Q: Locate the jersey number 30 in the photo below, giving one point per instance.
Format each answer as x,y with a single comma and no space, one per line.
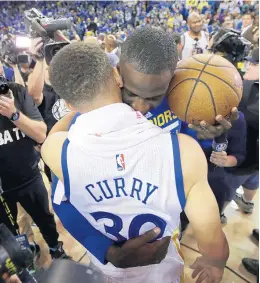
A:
134,227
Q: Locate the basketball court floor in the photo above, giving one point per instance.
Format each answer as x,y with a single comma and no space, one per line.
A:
238,231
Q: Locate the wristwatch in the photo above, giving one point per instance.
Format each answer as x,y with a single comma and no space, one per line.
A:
15,116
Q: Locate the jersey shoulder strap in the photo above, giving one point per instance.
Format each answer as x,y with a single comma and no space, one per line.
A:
178,170
65,171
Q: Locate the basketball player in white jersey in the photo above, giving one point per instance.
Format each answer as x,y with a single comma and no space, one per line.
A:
125,176
194,41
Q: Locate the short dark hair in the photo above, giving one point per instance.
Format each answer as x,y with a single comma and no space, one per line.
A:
150,50
79,72
249,14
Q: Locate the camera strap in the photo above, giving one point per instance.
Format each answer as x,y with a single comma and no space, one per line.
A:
9,214
20,238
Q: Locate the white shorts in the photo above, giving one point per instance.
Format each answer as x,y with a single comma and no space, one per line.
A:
107,279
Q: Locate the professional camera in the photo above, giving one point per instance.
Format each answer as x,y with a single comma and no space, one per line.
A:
4,90
229,42
68,271
13,48
37,25
15,256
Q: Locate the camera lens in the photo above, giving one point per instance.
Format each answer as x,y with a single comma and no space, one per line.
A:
4,88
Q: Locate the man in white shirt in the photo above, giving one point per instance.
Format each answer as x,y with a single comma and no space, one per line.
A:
194,41
111,47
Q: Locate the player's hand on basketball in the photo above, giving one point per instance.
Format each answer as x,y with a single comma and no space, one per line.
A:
206,131
139,251
206,272
219,158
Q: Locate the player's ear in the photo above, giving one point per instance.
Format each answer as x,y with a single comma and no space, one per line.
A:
117,77
71,108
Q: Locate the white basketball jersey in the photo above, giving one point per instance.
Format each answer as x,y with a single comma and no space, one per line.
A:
190,45
126,179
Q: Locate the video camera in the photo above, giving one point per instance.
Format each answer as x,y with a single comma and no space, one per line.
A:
4,90
15,257
232,44
13,48
37,25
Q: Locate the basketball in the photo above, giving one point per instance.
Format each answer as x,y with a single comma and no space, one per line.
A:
204,86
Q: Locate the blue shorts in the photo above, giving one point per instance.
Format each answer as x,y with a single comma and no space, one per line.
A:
249,181
225,184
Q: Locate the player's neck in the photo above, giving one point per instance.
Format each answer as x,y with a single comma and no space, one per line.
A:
195,35
102,101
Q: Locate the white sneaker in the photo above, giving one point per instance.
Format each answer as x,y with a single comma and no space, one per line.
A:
247,207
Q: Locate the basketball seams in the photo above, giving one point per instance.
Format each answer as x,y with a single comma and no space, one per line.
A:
194,69
194,87
211,96
193,79
231,67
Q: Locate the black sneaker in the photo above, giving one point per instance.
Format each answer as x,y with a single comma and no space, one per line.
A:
36,251
59,252
184,222
223,219
256,234
251,265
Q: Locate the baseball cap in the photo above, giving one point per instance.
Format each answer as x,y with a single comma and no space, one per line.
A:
254,58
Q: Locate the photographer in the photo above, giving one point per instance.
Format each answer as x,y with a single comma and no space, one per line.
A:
51,107
21,128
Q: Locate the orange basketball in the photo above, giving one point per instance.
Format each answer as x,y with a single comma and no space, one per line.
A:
203,87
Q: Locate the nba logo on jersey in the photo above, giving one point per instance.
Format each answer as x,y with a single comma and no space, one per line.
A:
120,162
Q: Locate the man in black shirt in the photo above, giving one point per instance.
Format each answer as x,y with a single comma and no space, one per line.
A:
248,171
21,128
51,107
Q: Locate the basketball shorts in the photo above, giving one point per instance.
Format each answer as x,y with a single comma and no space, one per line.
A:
107,279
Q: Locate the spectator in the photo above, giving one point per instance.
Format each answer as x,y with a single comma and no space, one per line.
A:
252,33
194,41
110,18
238,22
247,20
228,23
248,172
111,45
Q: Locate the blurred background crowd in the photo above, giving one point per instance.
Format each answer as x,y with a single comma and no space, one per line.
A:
123,16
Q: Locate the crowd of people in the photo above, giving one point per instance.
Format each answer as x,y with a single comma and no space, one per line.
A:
125,16
119,57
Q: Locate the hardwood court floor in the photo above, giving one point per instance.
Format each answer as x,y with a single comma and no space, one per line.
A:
238,231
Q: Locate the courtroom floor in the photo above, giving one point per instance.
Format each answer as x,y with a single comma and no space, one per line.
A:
238,231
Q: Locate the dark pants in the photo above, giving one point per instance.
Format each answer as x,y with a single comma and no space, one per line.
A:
218,185
34,199
47,171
